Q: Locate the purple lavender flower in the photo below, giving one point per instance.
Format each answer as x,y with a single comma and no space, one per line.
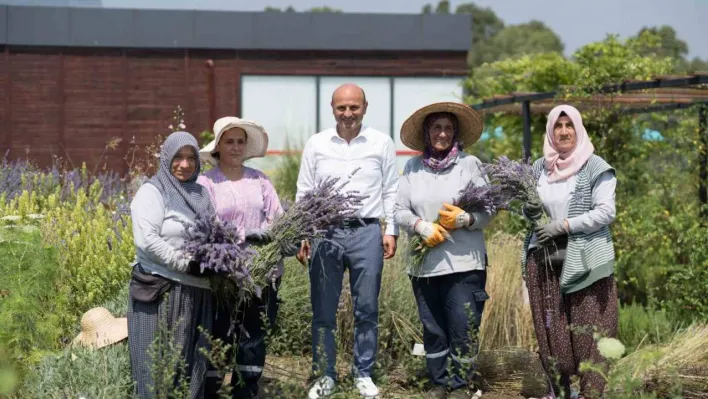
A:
516,180
327,205
216,245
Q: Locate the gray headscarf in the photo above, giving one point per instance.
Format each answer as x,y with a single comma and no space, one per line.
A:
189,193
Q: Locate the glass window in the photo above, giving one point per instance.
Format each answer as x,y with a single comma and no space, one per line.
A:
283,105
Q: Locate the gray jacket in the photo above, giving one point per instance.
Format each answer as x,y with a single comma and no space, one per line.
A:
421,194
158,231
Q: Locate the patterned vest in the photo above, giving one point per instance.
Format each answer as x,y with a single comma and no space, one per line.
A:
589,257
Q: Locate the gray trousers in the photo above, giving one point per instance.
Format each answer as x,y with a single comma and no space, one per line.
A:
360,249
173,320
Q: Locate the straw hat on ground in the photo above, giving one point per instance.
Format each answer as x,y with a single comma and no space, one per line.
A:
99,328
470,124
256,138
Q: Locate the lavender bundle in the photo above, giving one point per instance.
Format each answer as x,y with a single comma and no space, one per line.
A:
326,205
516,181
471,199
216,245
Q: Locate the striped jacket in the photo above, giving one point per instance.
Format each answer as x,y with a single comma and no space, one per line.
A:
589,257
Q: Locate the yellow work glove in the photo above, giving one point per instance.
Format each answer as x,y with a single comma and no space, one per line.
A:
454,217
432,233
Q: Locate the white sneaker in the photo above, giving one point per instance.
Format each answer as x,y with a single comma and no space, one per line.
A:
321,388
367,388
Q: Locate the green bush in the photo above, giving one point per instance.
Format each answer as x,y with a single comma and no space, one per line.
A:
688,281
31,304
639,325
95,250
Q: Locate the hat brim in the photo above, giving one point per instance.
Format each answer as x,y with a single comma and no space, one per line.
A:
470,124
256,140
109,334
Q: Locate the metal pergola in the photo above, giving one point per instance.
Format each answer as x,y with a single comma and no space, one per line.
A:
663,93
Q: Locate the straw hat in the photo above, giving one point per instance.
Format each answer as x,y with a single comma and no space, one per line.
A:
99,328
256,138
470,124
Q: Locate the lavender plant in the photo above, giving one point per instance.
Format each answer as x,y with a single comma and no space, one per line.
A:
326,205
471,199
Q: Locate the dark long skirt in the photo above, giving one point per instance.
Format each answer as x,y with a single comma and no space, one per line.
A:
173,320
565,324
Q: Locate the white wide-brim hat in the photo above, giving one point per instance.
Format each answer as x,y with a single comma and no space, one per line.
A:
99,328
469,124
256,138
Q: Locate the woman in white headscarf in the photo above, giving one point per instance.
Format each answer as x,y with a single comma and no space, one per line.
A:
569,260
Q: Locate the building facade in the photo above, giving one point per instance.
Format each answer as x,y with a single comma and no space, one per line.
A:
75,79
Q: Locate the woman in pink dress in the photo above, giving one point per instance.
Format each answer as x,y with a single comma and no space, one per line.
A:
247,197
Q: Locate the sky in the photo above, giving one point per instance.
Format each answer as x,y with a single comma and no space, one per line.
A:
576,22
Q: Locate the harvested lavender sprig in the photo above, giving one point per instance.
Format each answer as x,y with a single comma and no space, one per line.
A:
471,199
515,179
216,245
517,183
326,205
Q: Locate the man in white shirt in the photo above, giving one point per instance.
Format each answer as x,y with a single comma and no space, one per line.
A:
360,246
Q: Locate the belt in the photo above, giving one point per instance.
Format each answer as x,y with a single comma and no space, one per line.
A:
361,222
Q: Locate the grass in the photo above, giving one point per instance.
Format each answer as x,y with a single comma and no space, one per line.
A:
507,317
80,372
507,363
678,367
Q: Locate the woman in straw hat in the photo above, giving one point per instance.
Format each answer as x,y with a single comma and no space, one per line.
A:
169,297
569,260
449,285
247,197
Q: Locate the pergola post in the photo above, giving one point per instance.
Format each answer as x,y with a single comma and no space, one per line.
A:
526,112
703,159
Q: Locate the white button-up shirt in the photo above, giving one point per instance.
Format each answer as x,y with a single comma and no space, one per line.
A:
328,155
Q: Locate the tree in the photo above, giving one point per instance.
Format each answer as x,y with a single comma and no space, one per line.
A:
443,7
515,40
324,9
697,65
492,41
665,44
485,23
276,9
657,227
313,9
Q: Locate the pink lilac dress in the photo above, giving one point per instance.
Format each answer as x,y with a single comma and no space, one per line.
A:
251,203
